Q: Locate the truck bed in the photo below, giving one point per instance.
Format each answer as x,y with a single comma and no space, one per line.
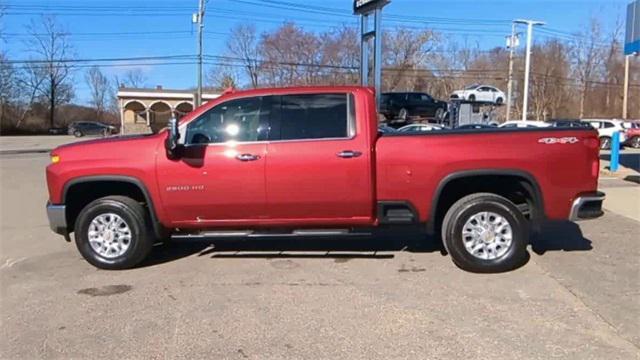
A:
559,162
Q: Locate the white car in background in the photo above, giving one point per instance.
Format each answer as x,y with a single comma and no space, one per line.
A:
480,93
419,128
606,128
524,124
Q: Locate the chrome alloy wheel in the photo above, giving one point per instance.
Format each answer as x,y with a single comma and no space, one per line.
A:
487,235
109,235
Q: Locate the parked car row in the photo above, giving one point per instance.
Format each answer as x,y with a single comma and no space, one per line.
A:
629,130
400,107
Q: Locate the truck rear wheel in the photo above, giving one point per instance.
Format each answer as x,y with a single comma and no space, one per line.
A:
485,233
113,233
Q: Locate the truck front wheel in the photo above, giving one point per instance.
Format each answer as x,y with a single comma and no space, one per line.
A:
485,233
113,233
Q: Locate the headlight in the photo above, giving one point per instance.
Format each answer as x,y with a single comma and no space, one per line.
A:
55,159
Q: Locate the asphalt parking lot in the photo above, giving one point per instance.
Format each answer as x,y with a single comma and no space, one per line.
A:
394,296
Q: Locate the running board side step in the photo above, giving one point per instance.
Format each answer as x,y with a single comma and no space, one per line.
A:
259,234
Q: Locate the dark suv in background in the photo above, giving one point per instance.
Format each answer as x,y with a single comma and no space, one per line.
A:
82,128
398,107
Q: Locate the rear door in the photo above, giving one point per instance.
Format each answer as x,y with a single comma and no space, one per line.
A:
485,94
422,104
319,165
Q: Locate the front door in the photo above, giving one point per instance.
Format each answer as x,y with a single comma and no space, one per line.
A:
219,177
319,167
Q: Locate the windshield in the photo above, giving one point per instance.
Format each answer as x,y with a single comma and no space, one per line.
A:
471,87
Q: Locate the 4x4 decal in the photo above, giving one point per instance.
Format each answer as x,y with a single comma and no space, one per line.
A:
562,140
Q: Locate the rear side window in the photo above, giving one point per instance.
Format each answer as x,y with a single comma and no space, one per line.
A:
607,125
315,116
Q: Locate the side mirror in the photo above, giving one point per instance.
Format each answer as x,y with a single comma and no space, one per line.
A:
173,135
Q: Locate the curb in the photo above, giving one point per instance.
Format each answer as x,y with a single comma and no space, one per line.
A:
26,151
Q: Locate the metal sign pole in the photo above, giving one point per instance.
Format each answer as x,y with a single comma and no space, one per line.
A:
377,56
364,50
366,8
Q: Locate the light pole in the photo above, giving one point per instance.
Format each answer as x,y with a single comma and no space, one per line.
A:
199,20
527,64
625,90
512,43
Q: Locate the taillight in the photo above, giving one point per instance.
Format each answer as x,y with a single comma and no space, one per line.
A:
592,143
595,168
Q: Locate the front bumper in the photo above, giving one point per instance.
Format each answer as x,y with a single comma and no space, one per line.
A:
57,218
587,206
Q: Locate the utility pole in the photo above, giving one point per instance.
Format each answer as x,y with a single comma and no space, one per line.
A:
625,97
512,43
527,64
199,20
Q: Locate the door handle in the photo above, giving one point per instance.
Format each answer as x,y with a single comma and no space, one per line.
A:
247,157
349,154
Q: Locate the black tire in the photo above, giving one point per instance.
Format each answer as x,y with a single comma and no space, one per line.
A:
135,216
462,210
472,97
499,101
78,133
635,142
605,143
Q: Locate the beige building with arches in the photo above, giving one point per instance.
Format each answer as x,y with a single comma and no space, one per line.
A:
149,110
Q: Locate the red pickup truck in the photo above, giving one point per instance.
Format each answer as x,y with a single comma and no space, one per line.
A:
310,162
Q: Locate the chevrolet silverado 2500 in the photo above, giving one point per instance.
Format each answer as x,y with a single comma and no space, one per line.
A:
310,162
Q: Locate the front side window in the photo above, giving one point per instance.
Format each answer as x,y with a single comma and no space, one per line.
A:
234,120
315,116
608,125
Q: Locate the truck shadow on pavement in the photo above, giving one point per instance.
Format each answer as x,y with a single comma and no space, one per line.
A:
559,236
344,248
554,236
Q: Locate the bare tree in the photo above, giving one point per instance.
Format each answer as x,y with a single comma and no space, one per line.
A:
53,63
243,47
8,85
222,77
135,78
404,52
550,69
291,57
587,55
340,52
99,86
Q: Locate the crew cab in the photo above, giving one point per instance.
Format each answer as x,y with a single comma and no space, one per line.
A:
310,161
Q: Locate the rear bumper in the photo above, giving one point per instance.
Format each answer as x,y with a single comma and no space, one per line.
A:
587,206
57,218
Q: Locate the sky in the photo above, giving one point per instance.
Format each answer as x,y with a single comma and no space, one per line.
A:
141,28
